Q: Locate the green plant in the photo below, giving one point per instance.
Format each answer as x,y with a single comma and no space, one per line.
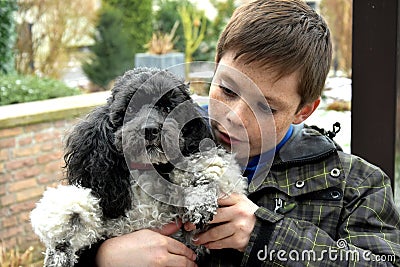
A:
7,35
224,12
164,18
18,89
206,50
194,27
111,54
136,22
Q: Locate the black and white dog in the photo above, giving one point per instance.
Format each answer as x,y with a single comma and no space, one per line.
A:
142,160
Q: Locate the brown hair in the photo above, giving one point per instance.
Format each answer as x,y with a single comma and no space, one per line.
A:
282,35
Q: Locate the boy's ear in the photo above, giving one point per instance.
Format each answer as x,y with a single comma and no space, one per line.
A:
306,111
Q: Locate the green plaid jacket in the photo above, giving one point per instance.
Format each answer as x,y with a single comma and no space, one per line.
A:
318,207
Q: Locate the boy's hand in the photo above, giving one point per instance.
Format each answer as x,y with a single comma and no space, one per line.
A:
233,222
146,248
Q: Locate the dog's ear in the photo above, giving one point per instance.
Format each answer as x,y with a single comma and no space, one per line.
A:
195,131
92,161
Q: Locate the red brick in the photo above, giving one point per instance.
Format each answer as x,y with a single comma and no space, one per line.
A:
44,136
26,140
4,212
58,134
10,132
10,221
36,127
25,206
26,151
19,163
10,232
7,200
7,142
4,154
51,180
53,167
48,158
5,177
3,190
51,146
23,217
26,173
30,193
23,184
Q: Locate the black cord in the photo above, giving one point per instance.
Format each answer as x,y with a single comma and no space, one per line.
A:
331,134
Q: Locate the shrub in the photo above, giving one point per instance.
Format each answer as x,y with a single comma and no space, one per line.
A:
18,89
111,55
7,35
136,22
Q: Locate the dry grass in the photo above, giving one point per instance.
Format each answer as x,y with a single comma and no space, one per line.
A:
162,43
16,258
339,105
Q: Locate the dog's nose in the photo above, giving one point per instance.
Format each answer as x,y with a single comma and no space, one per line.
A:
151,132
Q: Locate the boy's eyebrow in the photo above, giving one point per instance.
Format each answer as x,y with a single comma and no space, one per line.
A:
276,102
223,75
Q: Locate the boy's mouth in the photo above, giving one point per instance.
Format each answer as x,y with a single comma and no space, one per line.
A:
225,138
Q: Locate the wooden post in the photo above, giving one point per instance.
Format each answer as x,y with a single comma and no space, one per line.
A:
375,75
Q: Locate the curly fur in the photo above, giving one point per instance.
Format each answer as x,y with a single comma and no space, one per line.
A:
150,119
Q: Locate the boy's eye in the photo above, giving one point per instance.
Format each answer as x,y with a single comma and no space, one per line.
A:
265,108
227,91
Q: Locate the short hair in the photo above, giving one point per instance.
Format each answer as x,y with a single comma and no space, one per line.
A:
285,36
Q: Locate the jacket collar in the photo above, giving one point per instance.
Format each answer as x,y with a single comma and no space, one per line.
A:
305,144
305,147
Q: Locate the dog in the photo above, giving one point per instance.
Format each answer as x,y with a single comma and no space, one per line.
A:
144,159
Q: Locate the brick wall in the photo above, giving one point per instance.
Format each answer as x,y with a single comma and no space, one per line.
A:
31,159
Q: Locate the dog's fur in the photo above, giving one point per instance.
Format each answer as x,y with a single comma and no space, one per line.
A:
122,162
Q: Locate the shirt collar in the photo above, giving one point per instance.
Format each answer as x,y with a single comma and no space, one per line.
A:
266,157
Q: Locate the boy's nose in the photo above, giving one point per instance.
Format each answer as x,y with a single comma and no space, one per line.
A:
239,114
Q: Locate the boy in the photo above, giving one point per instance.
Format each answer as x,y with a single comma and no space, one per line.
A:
308,202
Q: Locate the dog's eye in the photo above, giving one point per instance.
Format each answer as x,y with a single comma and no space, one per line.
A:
168,109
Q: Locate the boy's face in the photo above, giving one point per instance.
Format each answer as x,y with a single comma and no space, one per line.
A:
250,111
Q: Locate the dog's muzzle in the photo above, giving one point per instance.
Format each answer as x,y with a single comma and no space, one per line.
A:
152,131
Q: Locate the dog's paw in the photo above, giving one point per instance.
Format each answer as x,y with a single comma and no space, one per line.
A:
59,258
200,203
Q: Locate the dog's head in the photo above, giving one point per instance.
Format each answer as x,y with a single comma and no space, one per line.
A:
149,119
156,120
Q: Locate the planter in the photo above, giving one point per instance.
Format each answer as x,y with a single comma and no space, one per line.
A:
171,61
